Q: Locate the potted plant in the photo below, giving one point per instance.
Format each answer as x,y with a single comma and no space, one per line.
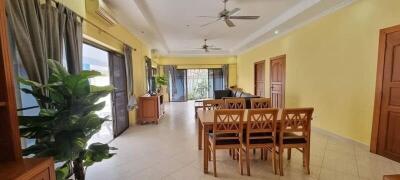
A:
161,81
67,120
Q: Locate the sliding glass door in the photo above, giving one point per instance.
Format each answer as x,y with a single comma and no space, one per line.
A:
194,84
197,84
179,91
215,81
98,60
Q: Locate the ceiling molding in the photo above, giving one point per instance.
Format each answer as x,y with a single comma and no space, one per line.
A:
198,55
331,10
144,9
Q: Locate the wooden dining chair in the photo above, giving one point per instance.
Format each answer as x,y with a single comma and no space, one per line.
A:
294,133
213,104
235,103
227,133
257,103
260,133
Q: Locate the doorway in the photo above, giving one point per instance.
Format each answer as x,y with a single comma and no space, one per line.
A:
194,84
96,59
178,87
259,78
386,125
277,79
197,83
111,65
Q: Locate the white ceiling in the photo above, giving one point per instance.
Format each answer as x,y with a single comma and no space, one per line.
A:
173,28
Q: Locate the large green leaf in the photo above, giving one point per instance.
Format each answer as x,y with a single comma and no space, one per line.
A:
96,153
34,120
89,74
64,171
29,83
56,68
101,89
77,86
69,144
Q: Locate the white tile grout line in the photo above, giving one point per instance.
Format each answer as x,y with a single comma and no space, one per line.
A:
323,159
358,171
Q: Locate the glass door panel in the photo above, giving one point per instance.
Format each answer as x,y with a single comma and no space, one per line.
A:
97,59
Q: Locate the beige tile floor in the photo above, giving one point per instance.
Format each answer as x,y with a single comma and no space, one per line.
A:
168,151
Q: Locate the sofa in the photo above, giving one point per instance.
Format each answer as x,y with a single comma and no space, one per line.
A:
234,93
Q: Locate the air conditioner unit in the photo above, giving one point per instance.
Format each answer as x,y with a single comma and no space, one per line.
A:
100,9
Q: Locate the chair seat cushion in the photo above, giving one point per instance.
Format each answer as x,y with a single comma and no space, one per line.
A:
258,141
291,138
294,141
224,141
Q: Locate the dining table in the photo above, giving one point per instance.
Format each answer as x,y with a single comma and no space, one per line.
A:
205,119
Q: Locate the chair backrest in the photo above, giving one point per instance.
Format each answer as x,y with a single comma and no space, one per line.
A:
296,120
228,121
235,103
260,122
257,103
213,104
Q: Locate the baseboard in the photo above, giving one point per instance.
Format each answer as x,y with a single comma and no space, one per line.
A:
337,136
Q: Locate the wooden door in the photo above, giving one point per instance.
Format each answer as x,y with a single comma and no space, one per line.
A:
119,95
259,78
387,107
277,79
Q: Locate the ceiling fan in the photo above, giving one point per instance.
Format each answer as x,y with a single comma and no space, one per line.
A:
207,47
227,15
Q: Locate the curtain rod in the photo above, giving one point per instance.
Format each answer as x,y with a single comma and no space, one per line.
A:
91,23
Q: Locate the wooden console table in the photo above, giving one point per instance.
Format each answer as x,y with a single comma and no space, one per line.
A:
151,109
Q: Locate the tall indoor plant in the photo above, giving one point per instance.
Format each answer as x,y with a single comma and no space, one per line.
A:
161,81
66,121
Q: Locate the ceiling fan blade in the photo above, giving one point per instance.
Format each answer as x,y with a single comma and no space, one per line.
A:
214,17
244,17
210,22
229,22
233,11
215,49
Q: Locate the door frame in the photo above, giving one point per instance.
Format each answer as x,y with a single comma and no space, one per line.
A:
255,75
283,76
379,86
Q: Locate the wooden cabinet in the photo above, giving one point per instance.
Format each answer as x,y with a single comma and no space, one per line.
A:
151,109
28,169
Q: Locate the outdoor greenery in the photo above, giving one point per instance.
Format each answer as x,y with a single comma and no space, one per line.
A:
197,84
67,120
200,90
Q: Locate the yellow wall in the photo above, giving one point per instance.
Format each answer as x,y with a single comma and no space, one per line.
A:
331,65
122,34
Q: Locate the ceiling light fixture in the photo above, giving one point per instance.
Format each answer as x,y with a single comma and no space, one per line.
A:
276,32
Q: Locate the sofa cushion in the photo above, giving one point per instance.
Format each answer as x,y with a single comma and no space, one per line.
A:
219,94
